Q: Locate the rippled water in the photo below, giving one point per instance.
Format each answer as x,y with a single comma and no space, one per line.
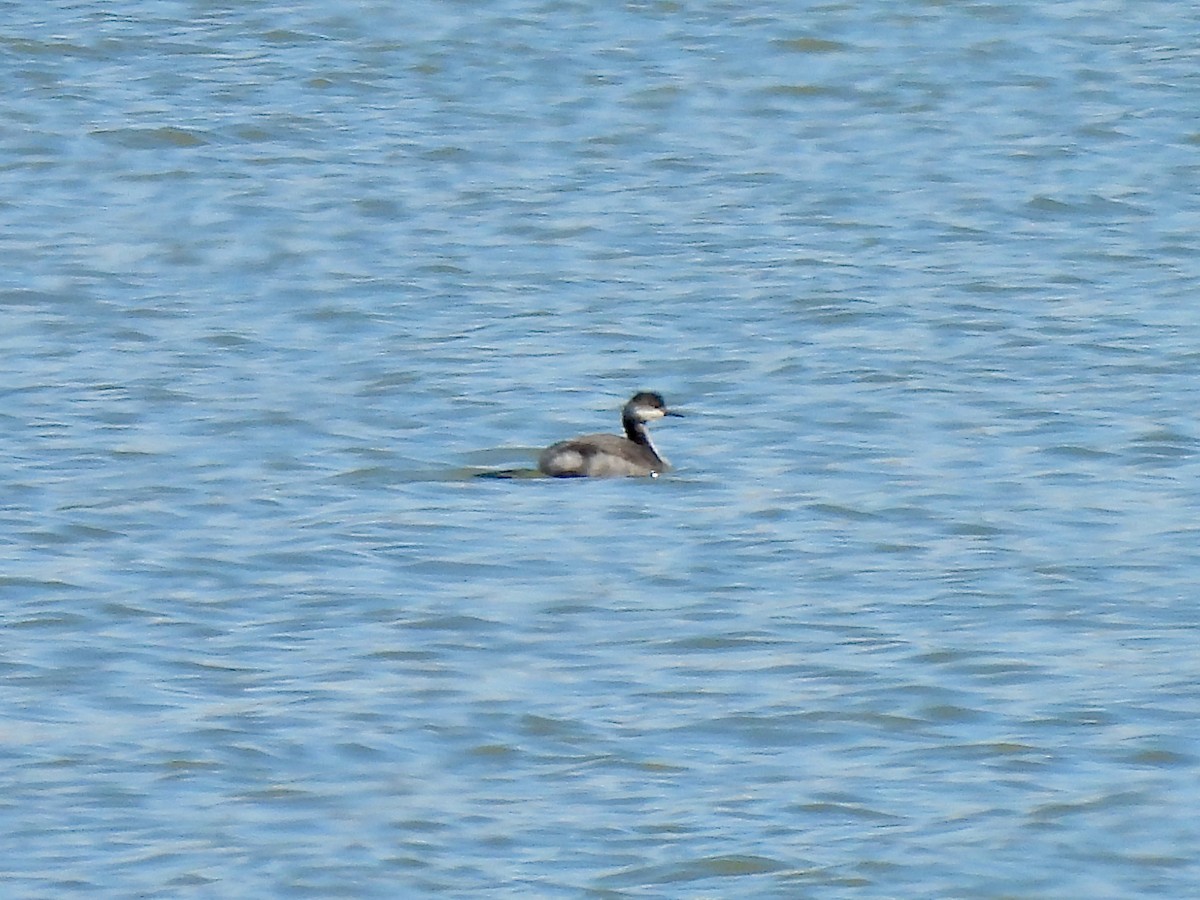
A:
913,617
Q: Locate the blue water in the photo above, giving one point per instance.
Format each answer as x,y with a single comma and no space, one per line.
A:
913,616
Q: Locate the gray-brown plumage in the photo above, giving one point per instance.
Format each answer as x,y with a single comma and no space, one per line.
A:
603,455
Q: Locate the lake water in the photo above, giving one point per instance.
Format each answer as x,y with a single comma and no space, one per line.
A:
915,615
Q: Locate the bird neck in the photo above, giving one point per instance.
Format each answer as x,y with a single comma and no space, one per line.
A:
637,432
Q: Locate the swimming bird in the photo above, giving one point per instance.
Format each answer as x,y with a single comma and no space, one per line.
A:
599,455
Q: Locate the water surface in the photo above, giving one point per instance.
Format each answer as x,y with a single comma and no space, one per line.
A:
913,616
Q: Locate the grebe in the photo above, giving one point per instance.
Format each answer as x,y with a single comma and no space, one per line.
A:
598,455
